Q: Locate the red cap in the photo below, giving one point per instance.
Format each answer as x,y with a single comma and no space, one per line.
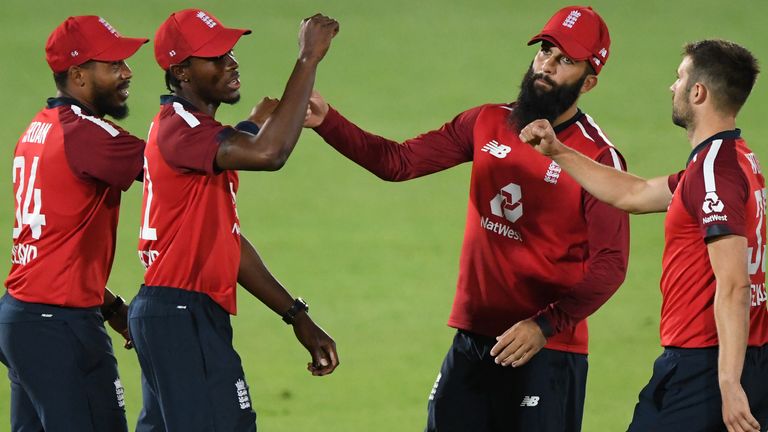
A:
580,33
193,32
82,38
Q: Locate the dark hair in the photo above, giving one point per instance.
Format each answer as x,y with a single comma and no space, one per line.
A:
171,82
728,70
60,78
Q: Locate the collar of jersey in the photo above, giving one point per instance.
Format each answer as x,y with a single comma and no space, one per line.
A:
730,134
564,125
170,98
66,101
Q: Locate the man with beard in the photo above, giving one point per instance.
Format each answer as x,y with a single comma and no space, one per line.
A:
190,239
714,321
69,168
539,254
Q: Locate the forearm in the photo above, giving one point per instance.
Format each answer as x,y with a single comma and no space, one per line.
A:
280,133
620,189
254,276
732,320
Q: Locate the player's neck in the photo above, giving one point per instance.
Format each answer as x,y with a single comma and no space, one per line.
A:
567,115
709,124
199,102
81,100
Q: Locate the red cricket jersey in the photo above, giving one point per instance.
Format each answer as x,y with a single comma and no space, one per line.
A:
721,192
190,233
535,242
68,169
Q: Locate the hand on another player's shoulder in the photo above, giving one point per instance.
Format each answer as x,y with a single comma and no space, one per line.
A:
315,37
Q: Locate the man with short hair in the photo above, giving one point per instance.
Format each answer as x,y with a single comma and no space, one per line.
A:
539,254
714,322
190,239
69,168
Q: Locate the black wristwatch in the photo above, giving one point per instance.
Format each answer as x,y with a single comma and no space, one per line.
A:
109,311
299,305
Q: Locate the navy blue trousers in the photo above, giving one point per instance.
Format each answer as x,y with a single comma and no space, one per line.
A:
474,394
62,369
192,378
684,395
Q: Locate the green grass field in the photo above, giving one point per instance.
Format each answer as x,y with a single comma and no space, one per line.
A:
378,261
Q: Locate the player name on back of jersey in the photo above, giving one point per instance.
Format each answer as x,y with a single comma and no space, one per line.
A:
23,253
37,132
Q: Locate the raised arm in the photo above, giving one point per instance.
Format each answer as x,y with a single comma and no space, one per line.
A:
254,276
727,255
269,149
620,189
389,160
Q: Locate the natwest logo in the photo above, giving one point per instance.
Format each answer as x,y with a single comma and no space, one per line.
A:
507,203
712,203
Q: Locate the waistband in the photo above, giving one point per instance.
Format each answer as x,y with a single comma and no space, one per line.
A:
44,310
174,294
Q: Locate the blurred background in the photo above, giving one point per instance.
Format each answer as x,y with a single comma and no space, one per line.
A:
376,261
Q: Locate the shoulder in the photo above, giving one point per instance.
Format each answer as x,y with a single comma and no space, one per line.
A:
75,120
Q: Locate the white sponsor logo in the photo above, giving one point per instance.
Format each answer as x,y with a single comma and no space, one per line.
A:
499,150
603,52
500,229
553,173
74,53
571,19
120,392
714,218
147,257
712,203
434,387
242,394
206,19
507,203
172,53
530,401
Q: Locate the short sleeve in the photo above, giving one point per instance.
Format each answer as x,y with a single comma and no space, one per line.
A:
189,140
673,180
715,193
98,150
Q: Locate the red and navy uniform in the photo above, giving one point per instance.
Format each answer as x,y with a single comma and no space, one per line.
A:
190,245
69,168
535,243
721,192
190,233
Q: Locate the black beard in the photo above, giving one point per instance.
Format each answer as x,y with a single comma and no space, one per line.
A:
104,105
533,104
232,101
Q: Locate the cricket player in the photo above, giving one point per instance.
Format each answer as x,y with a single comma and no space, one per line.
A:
191,242
69,168
539,255
713,372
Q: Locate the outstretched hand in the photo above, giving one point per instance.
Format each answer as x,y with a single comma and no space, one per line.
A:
317,110
320,346
519,344
541,136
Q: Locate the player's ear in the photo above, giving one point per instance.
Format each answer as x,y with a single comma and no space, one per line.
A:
589,83
76,76
179,71
699,93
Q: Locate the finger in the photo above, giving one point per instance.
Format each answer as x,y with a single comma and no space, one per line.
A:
502,343
523,360
749,423
515,355
508,351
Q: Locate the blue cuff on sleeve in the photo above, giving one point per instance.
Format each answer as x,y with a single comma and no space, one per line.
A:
248,126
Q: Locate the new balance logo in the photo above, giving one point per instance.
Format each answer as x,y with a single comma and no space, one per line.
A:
499,150
530,401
